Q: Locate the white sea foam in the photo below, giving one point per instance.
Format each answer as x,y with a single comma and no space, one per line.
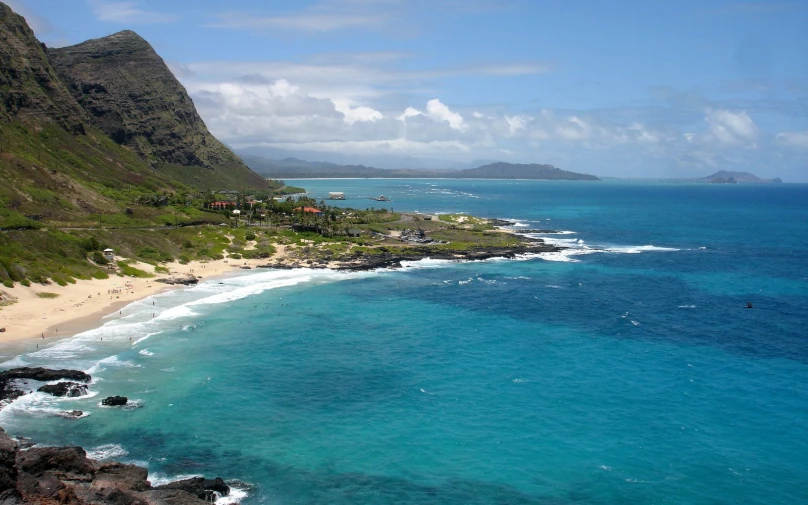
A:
687,306
426,263
107,451
237,494
467,281
159,479
111,361
639,249
146,352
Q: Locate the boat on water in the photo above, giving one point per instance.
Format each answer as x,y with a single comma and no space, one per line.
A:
382,198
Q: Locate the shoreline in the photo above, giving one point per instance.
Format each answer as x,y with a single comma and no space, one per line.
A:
75,308
84,305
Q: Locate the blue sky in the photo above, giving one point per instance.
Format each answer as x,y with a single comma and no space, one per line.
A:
631,88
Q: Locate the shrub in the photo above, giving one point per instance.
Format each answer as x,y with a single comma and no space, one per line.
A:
98,258
26,283
8,283
249,236
90,244
235,256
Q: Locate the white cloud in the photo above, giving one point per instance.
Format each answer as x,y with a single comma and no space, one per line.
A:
517,123
438,111
794,139
354,114
731,128
409,112
574,128
125,12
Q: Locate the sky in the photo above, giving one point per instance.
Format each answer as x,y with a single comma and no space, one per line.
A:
613,88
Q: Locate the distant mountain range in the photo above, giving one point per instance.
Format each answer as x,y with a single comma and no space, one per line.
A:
296,168
729,177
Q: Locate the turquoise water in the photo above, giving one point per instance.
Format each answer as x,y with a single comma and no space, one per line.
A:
624,370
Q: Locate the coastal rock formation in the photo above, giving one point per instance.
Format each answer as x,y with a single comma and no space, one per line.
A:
69,389
72,414
200,487
64,475
187,280
115,401
9,388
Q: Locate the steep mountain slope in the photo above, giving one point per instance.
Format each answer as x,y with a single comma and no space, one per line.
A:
130,94
30,90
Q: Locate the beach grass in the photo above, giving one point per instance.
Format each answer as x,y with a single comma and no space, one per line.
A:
46,294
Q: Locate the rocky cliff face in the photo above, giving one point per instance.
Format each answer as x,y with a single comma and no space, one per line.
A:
30,90
132,96
65,476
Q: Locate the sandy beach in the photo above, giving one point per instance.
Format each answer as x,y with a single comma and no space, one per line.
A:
81,306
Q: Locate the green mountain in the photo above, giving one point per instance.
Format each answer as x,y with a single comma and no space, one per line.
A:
93,127
99,141
30,89
130,94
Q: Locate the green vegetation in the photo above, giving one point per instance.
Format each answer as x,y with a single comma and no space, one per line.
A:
45,294
129,271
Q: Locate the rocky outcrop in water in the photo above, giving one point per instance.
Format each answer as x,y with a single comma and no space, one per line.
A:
68,389
9,380
115,401
65,476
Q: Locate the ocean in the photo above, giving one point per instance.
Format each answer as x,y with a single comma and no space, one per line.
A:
625,369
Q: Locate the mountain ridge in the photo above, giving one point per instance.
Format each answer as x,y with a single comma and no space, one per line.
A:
129,93
295,167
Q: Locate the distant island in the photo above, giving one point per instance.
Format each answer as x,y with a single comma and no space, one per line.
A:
728,177
297,168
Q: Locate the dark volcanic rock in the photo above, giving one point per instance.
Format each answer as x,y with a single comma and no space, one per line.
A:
69,389
67,463
9,390
200,487
8,470
65,476
72,414
114,401
44,374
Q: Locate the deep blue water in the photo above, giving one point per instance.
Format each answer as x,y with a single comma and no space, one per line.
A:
625,370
